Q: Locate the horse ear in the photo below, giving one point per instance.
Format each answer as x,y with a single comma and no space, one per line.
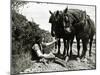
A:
84,11
50,12
65,11
57,13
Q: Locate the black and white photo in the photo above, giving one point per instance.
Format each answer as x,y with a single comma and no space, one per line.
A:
52,37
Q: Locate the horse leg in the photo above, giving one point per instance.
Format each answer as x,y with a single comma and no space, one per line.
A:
71,42
64,52
67,46
84,42
56,45
59,44
78,47
91,40
66,57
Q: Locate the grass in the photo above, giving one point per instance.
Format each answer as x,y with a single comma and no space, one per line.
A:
20,62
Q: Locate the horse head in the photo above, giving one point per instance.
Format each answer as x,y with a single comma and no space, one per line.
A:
84,21
55,20
67,21
83,17
52,20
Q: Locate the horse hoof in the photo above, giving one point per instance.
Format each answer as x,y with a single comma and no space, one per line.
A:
78,59
84,60
66,59
58,54
81,57
90,55
91,58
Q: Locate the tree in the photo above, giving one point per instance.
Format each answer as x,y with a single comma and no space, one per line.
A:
16,4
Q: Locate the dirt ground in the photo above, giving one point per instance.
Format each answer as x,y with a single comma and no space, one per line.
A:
73,64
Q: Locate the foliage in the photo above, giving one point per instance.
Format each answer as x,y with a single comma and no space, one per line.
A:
24,32
16,4
23,38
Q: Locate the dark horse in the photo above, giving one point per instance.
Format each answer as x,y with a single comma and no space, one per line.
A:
57,30
84,28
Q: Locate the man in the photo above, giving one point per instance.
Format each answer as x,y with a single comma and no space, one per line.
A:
37,48
38,54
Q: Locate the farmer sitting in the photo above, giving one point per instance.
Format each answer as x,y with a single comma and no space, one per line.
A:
37,49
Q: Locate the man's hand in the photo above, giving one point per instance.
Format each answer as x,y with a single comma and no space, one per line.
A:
50,43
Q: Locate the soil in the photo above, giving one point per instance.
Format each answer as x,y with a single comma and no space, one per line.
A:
71,64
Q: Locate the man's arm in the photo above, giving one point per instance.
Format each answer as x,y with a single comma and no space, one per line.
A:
37,50
50,43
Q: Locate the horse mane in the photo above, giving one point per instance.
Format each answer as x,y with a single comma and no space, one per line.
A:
75,14
91,23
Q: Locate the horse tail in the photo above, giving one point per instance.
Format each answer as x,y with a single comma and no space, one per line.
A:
92,33
91,25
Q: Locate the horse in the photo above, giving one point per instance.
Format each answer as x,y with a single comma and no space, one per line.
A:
84,28
53,22
57,27
92,32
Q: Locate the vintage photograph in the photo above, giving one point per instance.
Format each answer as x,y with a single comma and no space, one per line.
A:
52,37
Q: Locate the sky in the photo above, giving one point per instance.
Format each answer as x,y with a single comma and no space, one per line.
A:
39,12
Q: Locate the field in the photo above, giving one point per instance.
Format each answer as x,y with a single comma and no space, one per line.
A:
72,64
24,32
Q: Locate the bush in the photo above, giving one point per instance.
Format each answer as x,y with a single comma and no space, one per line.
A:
23,37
